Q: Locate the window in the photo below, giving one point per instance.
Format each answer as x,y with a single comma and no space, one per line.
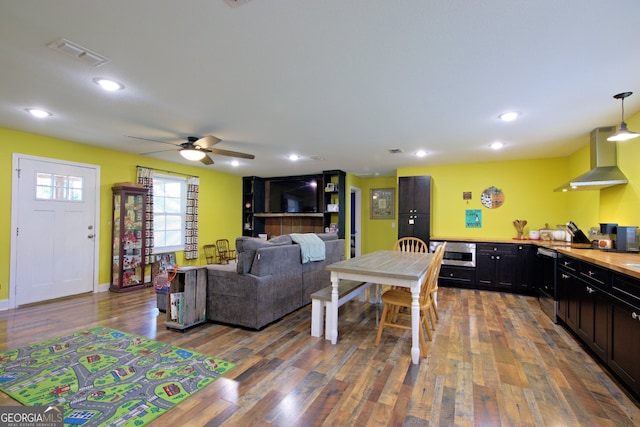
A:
169,194
58,187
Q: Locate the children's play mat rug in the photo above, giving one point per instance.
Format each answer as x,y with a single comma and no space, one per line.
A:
102,376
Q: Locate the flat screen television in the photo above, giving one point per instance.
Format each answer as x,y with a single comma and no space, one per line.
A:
292,195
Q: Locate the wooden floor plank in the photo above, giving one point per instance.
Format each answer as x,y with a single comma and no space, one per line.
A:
495,359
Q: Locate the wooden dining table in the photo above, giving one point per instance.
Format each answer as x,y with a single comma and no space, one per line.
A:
406,269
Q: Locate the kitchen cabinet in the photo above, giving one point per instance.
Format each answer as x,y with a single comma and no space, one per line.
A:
457,277
593,307
583,302
128,237
414,207
414,195
496,266
603,311
566,275
624,340
525,269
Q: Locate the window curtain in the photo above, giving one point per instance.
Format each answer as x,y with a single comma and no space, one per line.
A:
191,223
145,177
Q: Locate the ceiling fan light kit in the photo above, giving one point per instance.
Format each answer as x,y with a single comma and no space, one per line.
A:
192,154
623,133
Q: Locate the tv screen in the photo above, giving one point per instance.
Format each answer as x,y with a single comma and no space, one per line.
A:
292,195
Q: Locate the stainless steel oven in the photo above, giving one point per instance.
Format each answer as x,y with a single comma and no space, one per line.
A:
457,253
547,260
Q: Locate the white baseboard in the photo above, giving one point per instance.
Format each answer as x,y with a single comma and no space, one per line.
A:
4,304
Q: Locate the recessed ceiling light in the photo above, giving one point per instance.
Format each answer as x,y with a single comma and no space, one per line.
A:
107,84
497,145
293,157
421,153
235,163
37,112
509,116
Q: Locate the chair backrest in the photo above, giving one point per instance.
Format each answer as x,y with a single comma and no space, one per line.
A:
433,271
223,246
410,244
210,253
438,255
224,250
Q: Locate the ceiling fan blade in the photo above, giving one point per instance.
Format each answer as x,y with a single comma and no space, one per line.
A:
232,153
154,152
207,160
207,141
153,140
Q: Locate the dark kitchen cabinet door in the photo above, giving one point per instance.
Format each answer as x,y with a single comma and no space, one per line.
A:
525,269
496,266
414,195
564,284
625,344
414,225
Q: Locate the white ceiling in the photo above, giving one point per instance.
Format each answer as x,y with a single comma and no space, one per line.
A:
342,80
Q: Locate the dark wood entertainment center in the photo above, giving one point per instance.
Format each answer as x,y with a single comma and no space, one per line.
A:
329,213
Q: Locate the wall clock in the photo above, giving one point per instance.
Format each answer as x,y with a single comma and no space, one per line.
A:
492,198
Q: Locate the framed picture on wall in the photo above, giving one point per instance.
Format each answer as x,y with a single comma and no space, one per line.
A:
382,202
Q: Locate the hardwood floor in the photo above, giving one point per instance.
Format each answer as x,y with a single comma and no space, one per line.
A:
495,360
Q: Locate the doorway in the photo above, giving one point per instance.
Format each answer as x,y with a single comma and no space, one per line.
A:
54,225
356,222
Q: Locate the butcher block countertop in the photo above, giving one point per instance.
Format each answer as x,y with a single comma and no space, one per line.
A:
615,261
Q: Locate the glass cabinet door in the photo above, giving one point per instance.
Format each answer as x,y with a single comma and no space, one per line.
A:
129,218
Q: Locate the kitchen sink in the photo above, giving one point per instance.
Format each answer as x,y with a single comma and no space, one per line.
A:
632,265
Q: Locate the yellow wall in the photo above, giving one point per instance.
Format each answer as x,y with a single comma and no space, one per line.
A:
527,186
220,194
377,233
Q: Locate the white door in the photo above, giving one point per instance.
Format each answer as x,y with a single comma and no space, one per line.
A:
55,220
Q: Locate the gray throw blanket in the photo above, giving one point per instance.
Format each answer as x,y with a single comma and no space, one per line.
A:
311,247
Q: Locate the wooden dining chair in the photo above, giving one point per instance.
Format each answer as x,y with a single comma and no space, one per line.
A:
395,299
210,252
434,289
225,253
410,244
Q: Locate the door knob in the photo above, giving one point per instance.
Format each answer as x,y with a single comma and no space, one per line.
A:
91,236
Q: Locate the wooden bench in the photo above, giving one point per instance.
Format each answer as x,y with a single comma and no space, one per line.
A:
321,302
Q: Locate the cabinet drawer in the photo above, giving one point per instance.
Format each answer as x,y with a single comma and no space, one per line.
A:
627,289
598,276
457,274
497,249
568,264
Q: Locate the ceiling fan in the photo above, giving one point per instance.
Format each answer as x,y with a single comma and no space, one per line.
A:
198,148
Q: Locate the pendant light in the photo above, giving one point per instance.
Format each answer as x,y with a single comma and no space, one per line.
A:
623,133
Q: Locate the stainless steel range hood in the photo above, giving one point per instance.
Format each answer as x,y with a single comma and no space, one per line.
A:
604,164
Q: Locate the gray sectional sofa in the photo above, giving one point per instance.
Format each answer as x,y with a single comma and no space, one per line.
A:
268,282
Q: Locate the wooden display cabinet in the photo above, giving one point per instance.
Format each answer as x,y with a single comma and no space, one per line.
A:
129,236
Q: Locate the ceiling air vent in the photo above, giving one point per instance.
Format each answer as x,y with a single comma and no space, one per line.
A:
396,150
83,54
235,3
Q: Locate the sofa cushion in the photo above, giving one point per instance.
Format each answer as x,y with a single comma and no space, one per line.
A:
246,248
285,239
328,236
